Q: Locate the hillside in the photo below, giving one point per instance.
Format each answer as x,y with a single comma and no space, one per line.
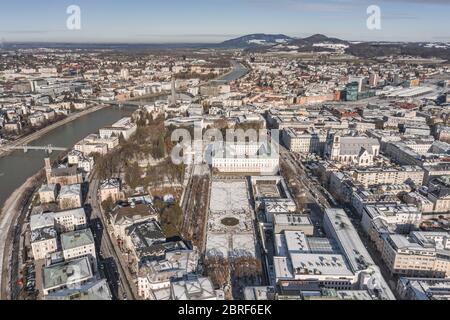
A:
256,40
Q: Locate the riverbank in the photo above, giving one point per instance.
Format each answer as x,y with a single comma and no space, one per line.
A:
36,135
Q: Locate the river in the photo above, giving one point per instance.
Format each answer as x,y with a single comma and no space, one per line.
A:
238,71
18,166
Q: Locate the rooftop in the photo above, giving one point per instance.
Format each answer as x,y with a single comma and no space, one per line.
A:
145,234
43,233
393,209
320,264
45,219
292,219
132,213
70,190
290,242
426,288
110,183
48,188
348,239
67,273
193,289
93,290
259,293
76,239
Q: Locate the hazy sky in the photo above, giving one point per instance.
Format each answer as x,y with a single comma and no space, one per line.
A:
217,20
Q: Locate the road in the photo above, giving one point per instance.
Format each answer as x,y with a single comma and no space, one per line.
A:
310,186
109,262
187,191
195,206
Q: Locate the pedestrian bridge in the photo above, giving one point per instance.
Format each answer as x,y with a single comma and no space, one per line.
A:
48,148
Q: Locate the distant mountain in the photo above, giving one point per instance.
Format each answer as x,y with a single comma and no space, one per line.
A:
314,43
317,39
256,40
322,43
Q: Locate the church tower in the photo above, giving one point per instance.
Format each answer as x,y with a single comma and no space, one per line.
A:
48,169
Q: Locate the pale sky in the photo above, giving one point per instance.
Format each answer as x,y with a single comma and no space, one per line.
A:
157,21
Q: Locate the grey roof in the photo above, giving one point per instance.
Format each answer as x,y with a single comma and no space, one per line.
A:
193,289
70,190
42,234
46,219
353,145
76,239
48,188
93,290
66,273
110,183
145,234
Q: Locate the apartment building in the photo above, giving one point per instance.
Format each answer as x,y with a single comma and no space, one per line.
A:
439,194
70,197
43,241
420,201
123,217
388,175
124,127
423,288
77,158
47,193
63,221
363,197
419,254
402,154
91,290
155,275
304,141
69,274
405,217
77,244
110,188
94,143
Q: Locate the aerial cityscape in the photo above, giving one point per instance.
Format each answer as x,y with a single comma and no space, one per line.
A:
223,161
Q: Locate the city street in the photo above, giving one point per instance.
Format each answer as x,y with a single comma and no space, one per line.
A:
109,261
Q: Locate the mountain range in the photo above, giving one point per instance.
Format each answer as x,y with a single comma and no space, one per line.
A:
261,42
256,39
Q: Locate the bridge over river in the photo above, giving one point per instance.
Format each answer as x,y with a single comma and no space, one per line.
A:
48,148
